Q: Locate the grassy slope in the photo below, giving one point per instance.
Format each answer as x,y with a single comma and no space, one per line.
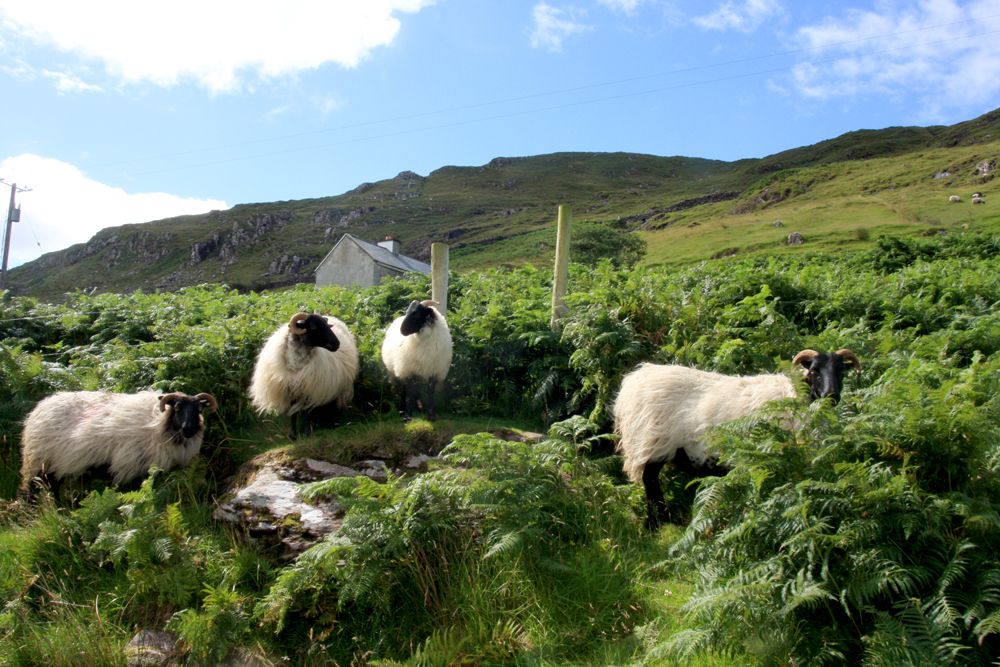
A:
837,206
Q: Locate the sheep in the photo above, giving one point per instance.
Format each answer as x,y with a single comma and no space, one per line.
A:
954,199
305,366
662,414
417,348
978,199
72,432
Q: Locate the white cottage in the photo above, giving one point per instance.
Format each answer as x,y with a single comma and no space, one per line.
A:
358,263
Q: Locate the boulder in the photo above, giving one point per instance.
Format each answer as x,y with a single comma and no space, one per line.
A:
153,648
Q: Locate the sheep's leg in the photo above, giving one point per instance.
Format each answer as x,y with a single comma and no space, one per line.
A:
54,484
307,423
294,420
31,486
656,504
401,392
431,386
411,391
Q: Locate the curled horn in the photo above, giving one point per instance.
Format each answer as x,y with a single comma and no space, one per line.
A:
430,303
804,356
213,405
294,325
850,358
169,399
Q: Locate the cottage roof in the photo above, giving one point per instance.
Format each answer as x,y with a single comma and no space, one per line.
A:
383,256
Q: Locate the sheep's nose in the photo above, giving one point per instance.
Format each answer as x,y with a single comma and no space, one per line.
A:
189,431
832,394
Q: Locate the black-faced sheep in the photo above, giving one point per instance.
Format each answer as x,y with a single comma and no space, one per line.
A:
73,432
417,350
662,413
306,366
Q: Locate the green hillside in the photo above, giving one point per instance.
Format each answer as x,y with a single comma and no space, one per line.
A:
836,193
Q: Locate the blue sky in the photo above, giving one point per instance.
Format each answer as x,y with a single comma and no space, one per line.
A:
117,112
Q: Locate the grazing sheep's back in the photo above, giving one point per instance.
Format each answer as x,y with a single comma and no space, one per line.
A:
425,354
290,378
70,432
660,409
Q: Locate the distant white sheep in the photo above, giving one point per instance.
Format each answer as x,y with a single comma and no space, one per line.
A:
417,349
71,433
978,199
308,364
663,413
954,199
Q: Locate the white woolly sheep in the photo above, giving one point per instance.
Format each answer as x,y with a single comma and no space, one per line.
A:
662,414
74,432
305,367
978,199
416,349
954,199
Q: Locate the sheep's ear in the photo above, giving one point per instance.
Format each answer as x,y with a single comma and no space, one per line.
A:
297,323
208,402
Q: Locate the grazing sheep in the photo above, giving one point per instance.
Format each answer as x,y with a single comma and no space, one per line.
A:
978,199
304,367
954,199
662,414
73,432
417,348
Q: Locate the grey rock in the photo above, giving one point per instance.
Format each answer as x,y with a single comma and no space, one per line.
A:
152,648
271,509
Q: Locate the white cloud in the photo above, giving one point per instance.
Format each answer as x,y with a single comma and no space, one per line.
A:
65,207
928,47
625,6
219,44
328,104
745,16
67,82
551,25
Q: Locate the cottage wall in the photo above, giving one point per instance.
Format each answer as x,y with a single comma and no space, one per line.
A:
384,272
347,265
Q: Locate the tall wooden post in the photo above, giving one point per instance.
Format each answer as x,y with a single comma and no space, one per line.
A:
561,276
439,274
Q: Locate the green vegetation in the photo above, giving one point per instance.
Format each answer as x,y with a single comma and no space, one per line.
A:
862,533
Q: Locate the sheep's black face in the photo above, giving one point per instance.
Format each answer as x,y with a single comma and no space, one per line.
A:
417,316
825,375
318,333
185,416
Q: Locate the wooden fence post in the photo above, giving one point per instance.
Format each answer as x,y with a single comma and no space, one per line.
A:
561,276
439,274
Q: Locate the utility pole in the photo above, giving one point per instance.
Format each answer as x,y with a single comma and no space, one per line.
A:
13,215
